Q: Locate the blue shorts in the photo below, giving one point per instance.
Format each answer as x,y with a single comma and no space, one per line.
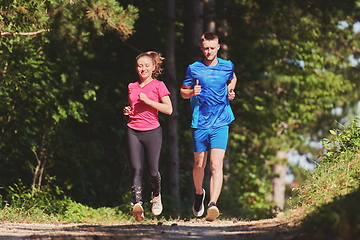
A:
205,139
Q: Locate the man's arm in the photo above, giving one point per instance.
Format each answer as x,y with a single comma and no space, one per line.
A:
188,92
232,83
231,88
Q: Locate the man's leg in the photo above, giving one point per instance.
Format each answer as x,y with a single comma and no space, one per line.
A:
216,167
216,181
198,171
198,177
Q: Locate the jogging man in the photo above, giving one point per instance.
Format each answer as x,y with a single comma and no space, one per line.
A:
209,84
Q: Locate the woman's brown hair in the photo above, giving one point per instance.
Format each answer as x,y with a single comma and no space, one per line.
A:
157,60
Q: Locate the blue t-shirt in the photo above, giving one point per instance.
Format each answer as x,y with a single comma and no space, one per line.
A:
211,108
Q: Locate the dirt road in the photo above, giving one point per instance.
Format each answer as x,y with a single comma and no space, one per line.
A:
266,229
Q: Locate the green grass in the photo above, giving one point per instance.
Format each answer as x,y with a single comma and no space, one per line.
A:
50,205
71,212
331,195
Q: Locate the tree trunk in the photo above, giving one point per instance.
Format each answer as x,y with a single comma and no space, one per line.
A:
170,79
38,170
278,182
209,16
193,28
221,27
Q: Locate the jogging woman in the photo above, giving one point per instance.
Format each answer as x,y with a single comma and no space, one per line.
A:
147,97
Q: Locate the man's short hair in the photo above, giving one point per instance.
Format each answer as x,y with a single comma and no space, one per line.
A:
209,36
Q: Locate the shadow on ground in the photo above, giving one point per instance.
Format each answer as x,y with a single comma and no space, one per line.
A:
266,229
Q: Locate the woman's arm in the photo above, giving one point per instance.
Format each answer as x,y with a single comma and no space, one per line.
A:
165,106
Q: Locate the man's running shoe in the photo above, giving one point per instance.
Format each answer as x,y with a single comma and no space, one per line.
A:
212,212
156,207
138,212
198,205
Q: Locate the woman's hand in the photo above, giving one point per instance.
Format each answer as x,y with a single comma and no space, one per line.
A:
127,110
143,97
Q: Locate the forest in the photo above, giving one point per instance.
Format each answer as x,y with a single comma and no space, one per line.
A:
65,66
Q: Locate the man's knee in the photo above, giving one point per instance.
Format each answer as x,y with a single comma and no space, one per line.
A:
199,167
216,166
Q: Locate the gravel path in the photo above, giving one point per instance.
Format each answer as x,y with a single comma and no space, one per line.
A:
265,229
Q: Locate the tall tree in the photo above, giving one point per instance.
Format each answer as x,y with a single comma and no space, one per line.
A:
193,27
42,87
173,156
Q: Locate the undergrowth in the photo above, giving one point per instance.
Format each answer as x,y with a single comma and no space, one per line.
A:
331,195
49,204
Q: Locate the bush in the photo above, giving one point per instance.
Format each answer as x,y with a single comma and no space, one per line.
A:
49,204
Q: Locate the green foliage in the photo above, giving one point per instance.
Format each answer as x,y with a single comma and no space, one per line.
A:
331,194
248,201
344,144
339,171
49,204
34,201
51,76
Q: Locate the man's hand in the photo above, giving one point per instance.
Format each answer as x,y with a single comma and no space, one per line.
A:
231,94
197,88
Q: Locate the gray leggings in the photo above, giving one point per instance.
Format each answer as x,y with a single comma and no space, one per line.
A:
138,144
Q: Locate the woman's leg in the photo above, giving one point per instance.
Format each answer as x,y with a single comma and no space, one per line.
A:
152,142
135,155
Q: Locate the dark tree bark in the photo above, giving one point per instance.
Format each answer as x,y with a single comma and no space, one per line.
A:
209,16
172,133
194,28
